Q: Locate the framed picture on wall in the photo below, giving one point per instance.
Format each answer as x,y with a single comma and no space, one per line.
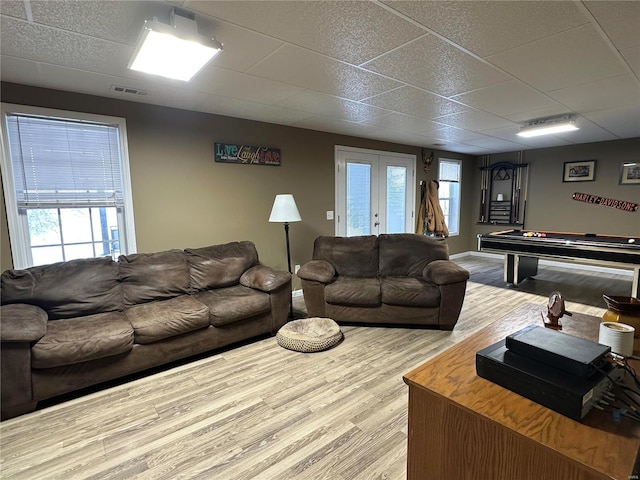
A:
630,173
579,171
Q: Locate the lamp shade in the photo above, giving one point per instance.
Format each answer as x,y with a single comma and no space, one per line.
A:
284,209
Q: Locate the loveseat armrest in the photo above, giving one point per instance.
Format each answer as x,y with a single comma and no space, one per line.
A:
20,322
445,272
317,271
266,279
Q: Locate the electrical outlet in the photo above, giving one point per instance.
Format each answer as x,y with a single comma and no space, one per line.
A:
295,270
329,214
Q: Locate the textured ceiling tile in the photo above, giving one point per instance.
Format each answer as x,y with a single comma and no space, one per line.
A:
434,65
589,132
495,144
456,134
490,27
569,58
13,8
304,69
623,122
405,123
18,70
49,45
632,56
228,83
608,93
325,124
110,20
415,102
507,98
353,32
474,120
329,106
621,21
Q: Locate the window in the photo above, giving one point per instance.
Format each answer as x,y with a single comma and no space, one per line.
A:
450,174
67,186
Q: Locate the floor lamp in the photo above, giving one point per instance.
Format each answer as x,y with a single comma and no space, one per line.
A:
284,211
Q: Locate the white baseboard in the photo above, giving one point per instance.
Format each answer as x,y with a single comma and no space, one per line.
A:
551,263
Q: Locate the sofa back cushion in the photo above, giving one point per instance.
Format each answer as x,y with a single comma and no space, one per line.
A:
351,256
153,276
66,289
220,265
406,254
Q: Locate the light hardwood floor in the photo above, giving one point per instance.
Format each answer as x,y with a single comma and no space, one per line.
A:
262,412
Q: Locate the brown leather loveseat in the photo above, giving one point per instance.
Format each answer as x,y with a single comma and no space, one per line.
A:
400,279
72,324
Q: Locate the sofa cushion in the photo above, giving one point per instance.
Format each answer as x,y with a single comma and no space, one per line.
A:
155,321
153,276
220,265
232,304
353,291
410,292
80,339
351,256
407,254
66,289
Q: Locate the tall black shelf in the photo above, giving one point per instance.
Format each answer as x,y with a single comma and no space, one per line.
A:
503,193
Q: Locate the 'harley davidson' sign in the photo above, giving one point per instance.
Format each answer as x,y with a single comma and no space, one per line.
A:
228,153
606,202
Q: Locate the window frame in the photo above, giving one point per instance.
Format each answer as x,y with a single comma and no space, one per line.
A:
19,237
459,199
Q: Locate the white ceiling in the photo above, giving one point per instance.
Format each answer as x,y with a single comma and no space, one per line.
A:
455,75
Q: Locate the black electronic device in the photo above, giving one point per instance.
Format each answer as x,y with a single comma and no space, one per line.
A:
565,393
569,353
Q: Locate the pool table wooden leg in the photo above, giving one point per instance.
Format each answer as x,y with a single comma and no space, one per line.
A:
518,268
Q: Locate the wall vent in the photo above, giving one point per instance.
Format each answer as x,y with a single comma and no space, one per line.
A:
128,90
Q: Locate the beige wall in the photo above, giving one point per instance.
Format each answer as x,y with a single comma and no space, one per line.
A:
182,198
550,205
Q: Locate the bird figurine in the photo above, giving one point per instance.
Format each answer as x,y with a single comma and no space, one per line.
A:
555,311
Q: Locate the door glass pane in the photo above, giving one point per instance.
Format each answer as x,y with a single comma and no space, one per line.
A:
358,203
396,198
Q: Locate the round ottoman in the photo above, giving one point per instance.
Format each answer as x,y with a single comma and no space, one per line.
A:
309,335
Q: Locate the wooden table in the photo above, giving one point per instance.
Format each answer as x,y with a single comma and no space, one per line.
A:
462,426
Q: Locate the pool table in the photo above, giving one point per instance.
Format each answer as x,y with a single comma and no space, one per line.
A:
523,248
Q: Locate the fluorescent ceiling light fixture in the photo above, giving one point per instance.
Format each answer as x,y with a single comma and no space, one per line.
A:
174,51
548,126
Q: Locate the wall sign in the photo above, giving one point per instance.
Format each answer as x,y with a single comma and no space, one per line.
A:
606,202
229,153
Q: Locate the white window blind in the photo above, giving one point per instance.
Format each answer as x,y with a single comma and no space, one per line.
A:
64,163
449,171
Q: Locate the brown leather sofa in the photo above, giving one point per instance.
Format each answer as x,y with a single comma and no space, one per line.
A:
391,279
72,324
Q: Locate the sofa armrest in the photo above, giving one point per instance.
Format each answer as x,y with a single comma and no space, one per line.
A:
20,322
264,278
445,272
317,271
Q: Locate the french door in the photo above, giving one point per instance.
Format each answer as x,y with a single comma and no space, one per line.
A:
375,192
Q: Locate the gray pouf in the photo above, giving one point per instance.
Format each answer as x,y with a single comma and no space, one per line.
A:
309,335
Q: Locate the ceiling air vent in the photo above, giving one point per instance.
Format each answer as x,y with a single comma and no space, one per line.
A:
128,90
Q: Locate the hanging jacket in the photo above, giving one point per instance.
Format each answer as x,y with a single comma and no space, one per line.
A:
434,217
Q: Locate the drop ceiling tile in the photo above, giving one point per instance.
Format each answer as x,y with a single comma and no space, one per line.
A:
302,68
13,8
474,120
570,58
405,123
622,122
44,44
415,102
17,70
463,148
329,106
508,98
495,144
353,32
589,132
489,27
119,22
229,83
611,92
509,134
619,20
436,66
632,56
456,134
277,115
537,113
334,125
